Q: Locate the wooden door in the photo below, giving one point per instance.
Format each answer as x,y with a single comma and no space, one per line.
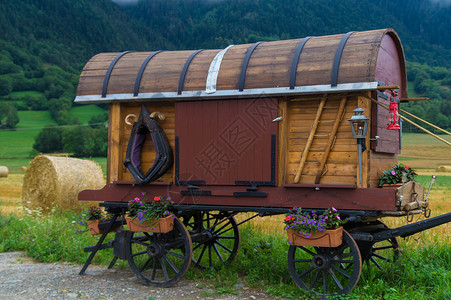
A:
226,142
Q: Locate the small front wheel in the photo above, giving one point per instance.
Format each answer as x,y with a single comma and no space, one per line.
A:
326,272
160,259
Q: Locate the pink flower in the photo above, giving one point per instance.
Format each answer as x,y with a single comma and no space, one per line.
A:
333,209
393,172
136,199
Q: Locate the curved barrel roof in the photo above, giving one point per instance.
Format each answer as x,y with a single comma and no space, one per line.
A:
333,63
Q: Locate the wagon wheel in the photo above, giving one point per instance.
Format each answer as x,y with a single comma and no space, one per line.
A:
383,251
380,252
215,236
326,271
160,259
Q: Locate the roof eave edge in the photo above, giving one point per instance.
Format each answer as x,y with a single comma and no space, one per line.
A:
227,94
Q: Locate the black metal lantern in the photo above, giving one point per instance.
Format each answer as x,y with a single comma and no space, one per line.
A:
359,126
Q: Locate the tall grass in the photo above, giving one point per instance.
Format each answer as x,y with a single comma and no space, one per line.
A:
421,272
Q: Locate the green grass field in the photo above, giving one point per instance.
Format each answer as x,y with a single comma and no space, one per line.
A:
24,94
16,145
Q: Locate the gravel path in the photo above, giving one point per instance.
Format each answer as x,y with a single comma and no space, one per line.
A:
21,278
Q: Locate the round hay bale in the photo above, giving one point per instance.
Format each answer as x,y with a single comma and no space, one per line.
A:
23,168
443,169
56,181
3,171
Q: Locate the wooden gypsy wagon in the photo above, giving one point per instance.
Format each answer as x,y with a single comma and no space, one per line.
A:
261,128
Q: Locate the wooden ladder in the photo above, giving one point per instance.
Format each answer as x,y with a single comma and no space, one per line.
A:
312,134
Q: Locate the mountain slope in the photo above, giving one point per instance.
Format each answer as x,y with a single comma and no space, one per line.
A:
192,24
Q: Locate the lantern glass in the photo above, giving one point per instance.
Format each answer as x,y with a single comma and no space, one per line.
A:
359,124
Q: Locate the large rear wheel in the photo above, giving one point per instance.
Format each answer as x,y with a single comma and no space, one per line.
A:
160,259
326,272
215,236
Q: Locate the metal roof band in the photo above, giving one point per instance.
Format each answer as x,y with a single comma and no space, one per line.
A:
296,58
185,69
337,58
108,73
231,94
213,71
244,65
141,71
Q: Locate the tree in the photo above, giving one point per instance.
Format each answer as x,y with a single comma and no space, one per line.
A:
49,140
8,116
85,141
5,86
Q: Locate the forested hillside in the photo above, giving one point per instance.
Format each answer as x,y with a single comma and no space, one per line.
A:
189,24
45,43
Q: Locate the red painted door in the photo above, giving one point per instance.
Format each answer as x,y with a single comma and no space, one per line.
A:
222,142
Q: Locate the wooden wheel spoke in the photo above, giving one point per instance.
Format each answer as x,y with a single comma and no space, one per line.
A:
145,264
306,272
139,253
324,283
341,272
201,254
176,255
210,261
380,256
171,264
226,237
154,270
343,261
337,282
315,279
219,254
384,247
307,250
223,246
376,263
139,242
163,268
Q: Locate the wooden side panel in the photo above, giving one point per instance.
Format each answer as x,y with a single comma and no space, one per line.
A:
378,163
148,153
114,142
341,165
390,71
226,141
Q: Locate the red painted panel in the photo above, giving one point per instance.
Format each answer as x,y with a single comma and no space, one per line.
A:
277,197
389,70
225,141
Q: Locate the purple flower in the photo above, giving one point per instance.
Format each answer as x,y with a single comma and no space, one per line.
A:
393,172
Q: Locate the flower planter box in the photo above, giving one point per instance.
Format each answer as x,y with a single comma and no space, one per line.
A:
161,225
93,227
328,238
391,185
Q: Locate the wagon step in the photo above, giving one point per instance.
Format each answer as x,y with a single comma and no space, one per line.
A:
411,229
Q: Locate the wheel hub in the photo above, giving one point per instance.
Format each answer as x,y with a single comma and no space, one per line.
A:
155,249
320,262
